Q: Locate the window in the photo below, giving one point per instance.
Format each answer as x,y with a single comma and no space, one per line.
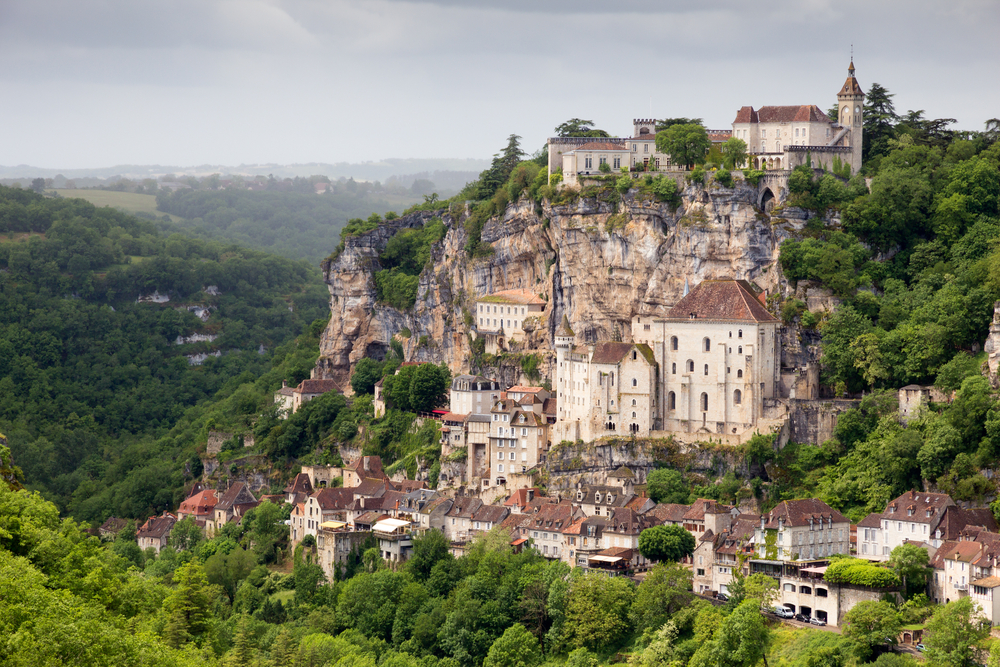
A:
634,355
633,401
673,368
739,373
633,415
739,350
706,369
645,148
671,401
500,456
587,162
612,381
740,334
690,366
708,345
500,467
737,397
512,456
635,383
763,134
704,402
618,162
603,160
673,342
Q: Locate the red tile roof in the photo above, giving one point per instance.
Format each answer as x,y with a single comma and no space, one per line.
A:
201,504
317,386
601,146
799,512
732,300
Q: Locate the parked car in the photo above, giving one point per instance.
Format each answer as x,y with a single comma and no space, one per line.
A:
783,612
722,597
919,647
817,621
802,617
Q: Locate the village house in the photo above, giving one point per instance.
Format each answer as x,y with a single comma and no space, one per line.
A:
717,556
289,400
300,489
600,500
334,542
328,504
477,441
518,439
155,532
109,529
472,394
199,506
233,504
930,517
804,529
502,318
365,467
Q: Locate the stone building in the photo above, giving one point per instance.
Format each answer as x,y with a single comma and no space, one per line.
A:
233,504
502,318
583,156
155,533
913,398
719,359
928,517
518,440
473,395
604,389
784,137
799,530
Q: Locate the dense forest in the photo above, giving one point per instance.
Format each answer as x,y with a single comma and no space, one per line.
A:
96,394
288,218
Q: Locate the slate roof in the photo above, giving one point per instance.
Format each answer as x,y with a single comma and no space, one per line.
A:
564,328
727,300
746,115
237,495
464,507
549,406
937,560
873,520
625,521
956,519
334,498
704,506
610,496
374,467
156,527
300,484
410,485
612,353
851,85
112,525
738,535
371,487
799,512
672,512
927,507
490,513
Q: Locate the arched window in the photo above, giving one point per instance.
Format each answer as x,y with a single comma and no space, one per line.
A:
704,402
673,368
740,334
633,401
708,345
737,397
730,334
706,369
633,415
671,401
633,355
612,379
635,383
739,373
673,342
690,366
739,350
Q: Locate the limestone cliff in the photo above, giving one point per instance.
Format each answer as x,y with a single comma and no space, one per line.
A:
600,261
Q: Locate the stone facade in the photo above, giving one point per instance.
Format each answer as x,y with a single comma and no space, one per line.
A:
501,317
473,395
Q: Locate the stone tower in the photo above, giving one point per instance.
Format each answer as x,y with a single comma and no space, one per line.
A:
563,341
851,102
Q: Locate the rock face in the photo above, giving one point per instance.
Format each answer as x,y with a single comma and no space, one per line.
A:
599,261
992,347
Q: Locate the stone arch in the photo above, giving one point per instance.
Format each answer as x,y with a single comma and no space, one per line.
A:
767,200
777,163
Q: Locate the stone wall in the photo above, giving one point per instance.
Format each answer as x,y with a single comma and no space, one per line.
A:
215,441
812,420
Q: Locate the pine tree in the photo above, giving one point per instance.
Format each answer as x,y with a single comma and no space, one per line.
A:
187,606
242,652
283,650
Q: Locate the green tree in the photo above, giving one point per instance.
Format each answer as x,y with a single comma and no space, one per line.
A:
577,127
366,373
685,144
735,152
428,387
910,563
515,648
879,122
185,535
869,624
666,543
740,641
187,607
955,633
665,589
597,613
428,550
267,530
665,485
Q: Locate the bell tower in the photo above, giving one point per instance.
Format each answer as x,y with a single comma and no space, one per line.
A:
851,105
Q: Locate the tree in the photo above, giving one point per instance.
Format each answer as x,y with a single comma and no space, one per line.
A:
267,530
428,550
870,623
241,655
670,122
879,122
185,535
662,543
735,152
666,588
740,641
597,613
665,485
685,144
187,607
910,562
428,387
515,648
366,373
954,634
228,570
577,127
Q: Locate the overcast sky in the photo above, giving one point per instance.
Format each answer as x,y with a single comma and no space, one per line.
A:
95,83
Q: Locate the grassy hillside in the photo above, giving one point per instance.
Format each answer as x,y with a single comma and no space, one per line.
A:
129,202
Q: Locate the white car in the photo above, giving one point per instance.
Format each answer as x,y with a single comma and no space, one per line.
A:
783,612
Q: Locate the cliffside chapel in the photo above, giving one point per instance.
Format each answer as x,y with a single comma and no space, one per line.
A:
706,367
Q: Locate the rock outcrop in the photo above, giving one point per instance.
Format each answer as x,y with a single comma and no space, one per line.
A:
600,261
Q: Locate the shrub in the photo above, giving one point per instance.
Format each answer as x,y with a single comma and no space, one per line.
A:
752,176
724,177
791,309
860,573
697,176
623,184
605,168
